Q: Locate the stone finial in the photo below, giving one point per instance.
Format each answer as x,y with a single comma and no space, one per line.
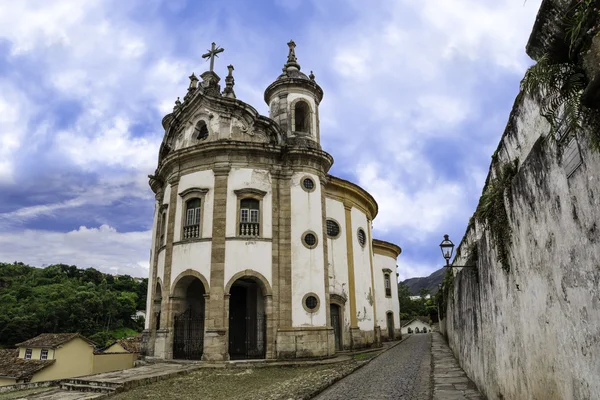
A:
229,82
292,61
193,82
177,104
312,76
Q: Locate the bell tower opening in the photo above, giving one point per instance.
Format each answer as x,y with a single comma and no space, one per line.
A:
302,117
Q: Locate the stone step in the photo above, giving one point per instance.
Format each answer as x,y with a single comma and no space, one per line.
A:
85,382
89,388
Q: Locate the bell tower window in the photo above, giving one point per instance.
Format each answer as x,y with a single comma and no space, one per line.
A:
200,130
302,117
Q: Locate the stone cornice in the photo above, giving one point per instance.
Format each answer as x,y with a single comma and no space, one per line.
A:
250,191
351,195
282,84
195,190
384,248
236,153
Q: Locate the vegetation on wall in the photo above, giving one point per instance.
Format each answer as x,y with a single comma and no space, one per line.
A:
491,210
562,82
447,290
62,298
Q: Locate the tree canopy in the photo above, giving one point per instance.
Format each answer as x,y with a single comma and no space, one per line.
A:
63,298
422,306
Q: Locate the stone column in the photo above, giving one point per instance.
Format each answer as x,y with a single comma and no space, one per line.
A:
149,335
325,251
355,336
215,337
164,335
376,327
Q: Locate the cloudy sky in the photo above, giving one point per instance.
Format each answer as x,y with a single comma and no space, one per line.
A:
417,94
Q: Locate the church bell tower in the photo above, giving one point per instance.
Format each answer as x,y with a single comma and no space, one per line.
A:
294,100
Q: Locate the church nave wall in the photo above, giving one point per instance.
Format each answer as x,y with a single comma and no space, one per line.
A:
203,180
194,256
307,261
385,304
249,254
249,178
362,272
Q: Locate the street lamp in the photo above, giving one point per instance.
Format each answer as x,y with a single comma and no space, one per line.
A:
447,248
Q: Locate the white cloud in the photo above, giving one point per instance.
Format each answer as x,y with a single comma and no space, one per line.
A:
102,248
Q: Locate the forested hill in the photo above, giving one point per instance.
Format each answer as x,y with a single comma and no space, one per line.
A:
62,298
430,283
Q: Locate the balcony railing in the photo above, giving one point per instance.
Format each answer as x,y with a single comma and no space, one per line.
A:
251,229
191,231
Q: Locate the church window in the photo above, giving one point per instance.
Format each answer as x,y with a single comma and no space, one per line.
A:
311,302
308,184
333,229
417,330
163,228
200,130
388,285
191,228
249,217
302,117
309,239
362,237
44,354
28,353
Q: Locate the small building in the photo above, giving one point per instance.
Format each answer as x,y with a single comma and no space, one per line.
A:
15,370
416,325
53,356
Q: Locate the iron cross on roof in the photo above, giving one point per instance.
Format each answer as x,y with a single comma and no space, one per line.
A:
212,53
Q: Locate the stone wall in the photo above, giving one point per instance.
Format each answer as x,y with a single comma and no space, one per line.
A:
530,328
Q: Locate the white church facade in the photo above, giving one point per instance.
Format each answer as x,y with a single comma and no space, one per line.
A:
257,252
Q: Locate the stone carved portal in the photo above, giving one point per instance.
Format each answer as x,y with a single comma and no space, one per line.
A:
247,320
189,304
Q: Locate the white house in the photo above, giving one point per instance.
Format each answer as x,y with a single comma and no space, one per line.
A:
415,325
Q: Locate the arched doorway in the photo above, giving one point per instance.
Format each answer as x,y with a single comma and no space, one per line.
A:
247,320
188,324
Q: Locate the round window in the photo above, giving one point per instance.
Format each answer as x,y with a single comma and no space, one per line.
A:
308,184
333,229
310,240
311,302
362,237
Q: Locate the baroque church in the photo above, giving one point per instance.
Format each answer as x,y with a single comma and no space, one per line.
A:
258,252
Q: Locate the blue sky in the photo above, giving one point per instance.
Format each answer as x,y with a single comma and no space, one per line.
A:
417,94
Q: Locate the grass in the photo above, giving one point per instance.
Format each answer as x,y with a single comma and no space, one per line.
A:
268,383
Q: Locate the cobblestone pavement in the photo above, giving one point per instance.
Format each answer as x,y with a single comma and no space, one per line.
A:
449,380
402,373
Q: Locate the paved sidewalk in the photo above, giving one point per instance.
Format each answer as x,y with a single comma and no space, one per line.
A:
449,380
402,373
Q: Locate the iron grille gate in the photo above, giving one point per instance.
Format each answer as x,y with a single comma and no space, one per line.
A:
256,336
188,343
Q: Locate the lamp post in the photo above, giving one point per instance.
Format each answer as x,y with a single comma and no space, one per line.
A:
447,248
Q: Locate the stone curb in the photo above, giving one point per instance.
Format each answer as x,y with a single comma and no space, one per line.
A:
359,365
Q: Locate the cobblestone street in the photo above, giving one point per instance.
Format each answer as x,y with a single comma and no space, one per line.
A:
404,372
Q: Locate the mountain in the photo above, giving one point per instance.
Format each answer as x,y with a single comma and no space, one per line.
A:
431,282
